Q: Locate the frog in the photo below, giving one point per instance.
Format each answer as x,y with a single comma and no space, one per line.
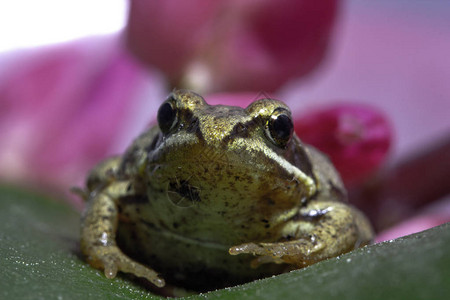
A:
214,196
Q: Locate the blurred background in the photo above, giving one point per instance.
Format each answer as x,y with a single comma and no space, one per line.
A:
368,83
27,24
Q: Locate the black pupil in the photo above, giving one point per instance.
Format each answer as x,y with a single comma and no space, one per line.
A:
282,127
166,116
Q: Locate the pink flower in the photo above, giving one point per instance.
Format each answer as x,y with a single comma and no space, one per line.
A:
231,45
434,216
356,137
65,108
234,99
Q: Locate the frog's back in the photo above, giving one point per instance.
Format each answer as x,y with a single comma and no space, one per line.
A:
124,166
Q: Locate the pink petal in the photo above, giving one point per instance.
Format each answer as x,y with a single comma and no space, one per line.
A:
268,43
63,109
438,215
394,57
355,137
232,99
221,46
166,34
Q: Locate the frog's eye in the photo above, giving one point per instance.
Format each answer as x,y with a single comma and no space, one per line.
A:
279,128
167,116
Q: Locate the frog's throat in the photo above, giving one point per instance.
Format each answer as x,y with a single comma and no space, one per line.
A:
170,235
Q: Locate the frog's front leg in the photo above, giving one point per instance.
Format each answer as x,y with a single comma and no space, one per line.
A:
98,235
321,230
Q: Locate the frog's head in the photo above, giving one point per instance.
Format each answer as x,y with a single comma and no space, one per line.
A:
229,155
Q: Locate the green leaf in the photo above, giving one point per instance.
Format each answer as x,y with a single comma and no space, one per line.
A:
40,257
40,260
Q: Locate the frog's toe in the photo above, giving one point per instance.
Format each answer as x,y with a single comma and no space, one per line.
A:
130,266
265,252
263,249
260,249
112,260
110,269
249,248
299,252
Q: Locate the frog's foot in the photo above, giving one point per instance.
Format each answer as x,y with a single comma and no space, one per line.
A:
112,260
299,252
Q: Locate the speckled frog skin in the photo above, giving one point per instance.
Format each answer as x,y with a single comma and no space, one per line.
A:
215,196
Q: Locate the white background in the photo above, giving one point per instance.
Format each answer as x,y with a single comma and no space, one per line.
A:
30,23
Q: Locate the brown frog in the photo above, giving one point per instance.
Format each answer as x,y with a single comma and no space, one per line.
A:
215,196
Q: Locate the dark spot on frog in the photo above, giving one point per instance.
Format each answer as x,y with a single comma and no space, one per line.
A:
193,123
239,130
269,201
266,225
193,126
185,190
289,237
129,187
148,224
